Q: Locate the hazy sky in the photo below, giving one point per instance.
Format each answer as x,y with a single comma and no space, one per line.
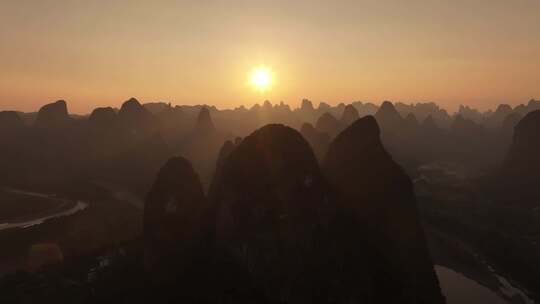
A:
96,53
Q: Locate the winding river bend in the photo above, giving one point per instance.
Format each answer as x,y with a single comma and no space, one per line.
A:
72,208
459,289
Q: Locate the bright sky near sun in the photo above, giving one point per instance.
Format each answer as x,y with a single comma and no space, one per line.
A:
96,53
261,78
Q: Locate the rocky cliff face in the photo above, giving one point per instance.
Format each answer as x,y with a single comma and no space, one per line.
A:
204,122
102,117
201,146
388,118
272,211
224,153
521,168
124,148
307,106
52,115
136,120
350,115
495,120
510,122
382,199
319,141
506,131
275,231
175,220
328,124
14,143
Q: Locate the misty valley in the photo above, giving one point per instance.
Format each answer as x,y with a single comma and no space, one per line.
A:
347,203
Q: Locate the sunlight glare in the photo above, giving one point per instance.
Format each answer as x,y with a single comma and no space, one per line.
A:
261,78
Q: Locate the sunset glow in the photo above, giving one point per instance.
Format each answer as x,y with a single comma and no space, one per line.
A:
477,52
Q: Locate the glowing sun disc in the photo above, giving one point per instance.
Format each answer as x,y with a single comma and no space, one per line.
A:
261,78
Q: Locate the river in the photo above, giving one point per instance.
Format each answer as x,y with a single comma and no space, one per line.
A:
458,289
76,207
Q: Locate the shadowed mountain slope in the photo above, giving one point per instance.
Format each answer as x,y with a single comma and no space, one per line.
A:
521,168
381,196
272,214
175,220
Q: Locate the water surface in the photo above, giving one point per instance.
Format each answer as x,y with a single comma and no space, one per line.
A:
459,289
77,206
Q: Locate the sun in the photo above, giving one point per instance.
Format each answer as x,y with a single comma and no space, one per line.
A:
261,78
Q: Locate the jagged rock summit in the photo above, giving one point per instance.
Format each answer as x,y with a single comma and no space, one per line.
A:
381,198
136,119
307,105
350,115
388,117
328,124
131,107
52,115
275,154
102,116
204,122
503,110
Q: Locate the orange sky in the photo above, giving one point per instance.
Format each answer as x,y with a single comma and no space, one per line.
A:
96,53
